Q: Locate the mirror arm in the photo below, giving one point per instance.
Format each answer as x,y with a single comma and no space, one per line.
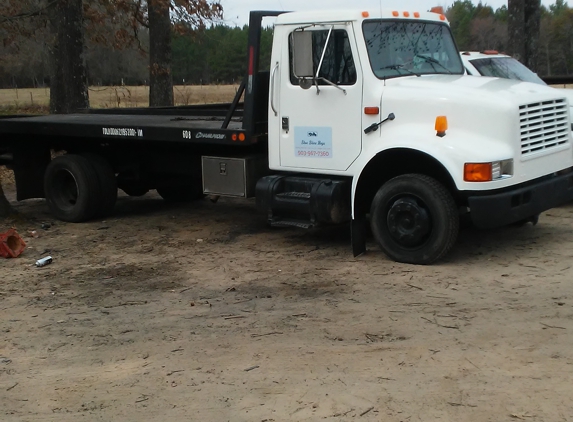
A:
323,52
329,83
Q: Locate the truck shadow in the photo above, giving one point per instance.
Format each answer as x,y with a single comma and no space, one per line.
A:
230,219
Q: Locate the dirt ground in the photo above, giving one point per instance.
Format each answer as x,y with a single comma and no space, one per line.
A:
200,312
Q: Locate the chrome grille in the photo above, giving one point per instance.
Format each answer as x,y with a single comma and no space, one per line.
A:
544,125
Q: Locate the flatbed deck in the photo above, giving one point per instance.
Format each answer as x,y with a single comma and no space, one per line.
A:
145,127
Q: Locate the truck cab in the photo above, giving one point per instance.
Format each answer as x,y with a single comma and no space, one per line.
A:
377,101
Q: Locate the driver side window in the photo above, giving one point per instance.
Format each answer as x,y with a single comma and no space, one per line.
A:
337,65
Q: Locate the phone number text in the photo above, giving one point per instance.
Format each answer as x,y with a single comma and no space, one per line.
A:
302,153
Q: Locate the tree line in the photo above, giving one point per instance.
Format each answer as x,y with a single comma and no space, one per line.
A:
216,54
65,29
117,45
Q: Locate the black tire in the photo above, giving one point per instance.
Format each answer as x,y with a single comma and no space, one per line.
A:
72,188
414,219
107,183
184,193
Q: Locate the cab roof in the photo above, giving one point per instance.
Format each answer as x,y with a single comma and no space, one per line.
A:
330,16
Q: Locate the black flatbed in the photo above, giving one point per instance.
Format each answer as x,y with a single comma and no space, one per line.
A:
146,127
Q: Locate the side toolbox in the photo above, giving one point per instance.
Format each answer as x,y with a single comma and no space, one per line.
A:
233,176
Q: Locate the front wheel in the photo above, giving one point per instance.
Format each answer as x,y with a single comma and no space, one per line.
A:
414,219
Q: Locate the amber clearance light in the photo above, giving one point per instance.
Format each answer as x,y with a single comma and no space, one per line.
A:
441,126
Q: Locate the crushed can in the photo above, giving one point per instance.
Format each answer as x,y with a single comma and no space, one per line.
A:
44,261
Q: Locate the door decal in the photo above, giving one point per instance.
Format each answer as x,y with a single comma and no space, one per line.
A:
313,141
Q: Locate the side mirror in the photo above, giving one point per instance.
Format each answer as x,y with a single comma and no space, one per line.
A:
302,58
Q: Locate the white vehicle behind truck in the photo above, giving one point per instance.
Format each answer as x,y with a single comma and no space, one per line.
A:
364,116
491,63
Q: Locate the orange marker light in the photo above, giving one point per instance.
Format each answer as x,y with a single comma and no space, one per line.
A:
437,9
234,136
365,14
242,137
442,18
416,14
441,126
406,14
477,172
395,13
371,110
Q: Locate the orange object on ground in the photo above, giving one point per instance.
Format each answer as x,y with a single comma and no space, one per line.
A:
11,244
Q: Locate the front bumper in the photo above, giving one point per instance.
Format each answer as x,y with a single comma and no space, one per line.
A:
522,202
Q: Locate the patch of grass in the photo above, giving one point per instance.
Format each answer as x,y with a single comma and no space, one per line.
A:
8,110
37,100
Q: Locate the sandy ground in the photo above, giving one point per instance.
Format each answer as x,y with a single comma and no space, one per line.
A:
200,312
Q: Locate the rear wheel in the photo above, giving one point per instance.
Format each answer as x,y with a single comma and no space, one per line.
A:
72,189
414,219
107,183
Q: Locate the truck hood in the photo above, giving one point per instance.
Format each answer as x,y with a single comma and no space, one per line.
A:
477,90
497,110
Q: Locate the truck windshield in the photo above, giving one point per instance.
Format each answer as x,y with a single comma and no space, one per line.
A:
506,67
400,48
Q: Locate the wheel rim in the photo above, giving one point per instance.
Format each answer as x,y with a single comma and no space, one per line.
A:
409,222
66,194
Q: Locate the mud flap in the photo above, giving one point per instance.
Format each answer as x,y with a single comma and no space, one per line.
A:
358,235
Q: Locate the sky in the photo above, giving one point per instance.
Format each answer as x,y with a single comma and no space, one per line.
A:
237,11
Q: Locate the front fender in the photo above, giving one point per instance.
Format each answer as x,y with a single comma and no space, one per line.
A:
449,152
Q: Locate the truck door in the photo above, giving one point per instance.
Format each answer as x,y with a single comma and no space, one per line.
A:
320,123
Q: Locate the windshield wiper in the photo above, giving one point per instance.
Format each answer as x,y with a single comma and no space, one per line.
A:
433,61
399,67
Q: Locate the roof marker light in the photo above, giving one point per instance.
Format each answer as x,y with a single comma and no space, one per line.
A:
416,14
395,13
365,14
406,14
442,18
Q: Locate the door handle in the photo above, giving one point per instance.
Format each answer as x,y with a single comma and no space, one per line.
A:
273,88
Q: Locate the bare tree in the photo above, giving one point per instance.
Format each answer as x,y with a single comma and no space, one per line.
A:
515,28
488,34
160,75
532,28
162,17
524,22
68,82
